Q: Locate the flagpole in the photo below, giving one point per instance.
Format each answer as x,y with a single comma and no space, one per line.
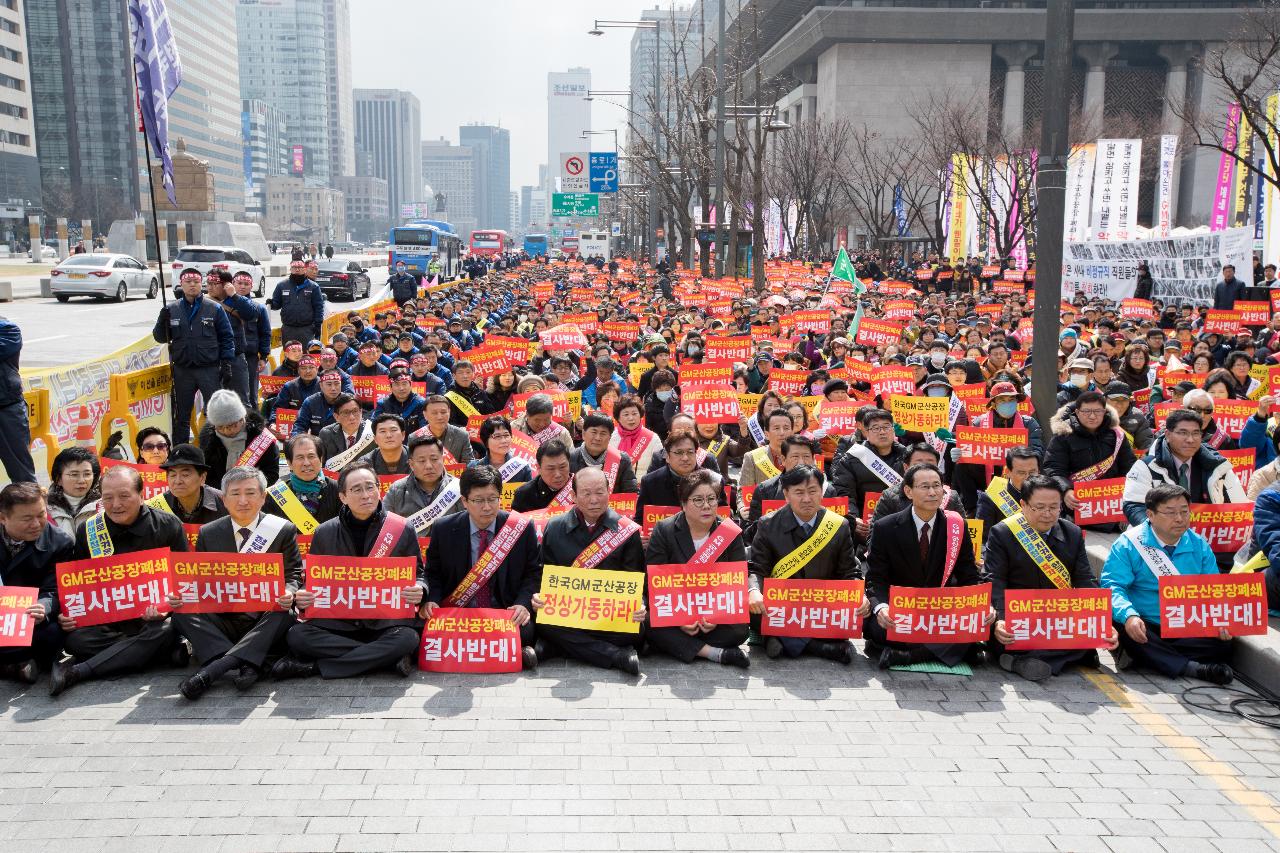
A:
155,220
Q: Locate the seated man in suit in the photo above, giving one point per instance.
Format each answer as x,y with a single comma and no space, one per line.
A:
1010,561
240,641
892,500
499,568
910,548
125,525
596,452
1162,545
340,648
32,549
802,540
796,450
995,505
567,541
349,433
304,496
456,442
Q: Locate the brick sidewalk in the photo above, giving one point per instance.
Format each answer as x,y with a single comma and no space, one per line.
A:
796,756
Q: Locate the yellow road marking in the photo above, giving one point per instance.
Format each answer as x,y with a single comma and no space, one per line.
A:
1258,804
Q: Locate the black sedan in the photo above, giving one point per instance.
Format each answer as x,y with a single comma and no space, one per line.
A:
344,279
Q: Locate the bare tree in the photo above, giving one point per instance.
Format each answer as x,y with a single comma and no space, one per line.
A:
804,171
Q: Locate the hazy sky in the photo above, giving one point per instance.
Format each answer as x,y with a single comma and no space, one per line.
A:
487,61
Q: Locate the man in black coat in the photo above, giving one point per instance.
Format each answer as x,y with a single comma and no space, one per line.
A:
316,495
554,471
129,526
565,539
240,641
1010,566
341,648
873,466
784,531
895,559
512,583
595,452
1227,291
32,549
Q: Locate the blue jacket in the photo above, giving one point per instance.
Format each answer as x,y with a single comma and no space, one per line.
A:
349,358
413,410
1255,435
198,335
1134,587
299,305
10,350
294,393
313,415
1266,524
257,328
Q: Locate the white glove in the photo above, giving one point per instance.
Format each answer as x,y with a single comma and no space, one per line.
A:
955,454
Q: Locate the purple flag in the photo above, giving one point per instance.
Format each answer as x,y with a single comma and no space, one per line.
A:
159,72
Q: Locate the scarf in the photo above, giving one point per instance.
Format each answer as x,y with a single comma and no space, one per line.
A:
234,444
304,487
627,438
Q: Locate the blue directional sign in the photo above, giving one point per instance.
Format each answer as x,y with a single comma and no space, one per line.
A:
604,171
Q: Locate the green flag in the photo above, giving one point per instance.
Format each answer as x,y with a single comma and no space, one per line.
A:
843,270
855,322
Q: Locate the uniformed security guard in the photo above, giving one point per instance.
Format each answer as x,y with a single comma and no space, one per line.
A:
257,335
201,349
300,303
404,285
219,286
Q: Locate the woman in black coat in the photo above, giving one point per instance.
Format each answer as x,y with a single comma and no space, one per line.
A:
215,451
675,540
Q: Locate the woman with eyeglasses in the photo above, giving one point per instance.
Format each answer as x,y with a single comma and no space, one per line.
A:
495,435
698,531
73,495
658,487
153,446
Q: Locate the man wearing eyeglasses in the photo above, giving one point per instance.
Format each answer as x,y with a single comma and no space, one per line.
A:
1180,457
1035,548
1215,437
874,465
1162,544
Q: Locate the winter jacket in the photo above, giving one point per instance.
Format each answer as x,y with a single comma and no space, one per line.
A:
1212,479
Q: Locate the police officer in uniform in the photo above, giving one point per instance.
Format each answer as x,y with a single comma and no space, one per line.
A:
218,284
257,335
300,303
201,349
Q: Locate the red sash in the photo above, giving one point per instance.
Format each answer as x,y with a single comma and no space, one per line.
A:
605,544
612,462
490,561
256,448
955,534
1095,471
642,444
546,435
1219,436
717,543
564,500
392,526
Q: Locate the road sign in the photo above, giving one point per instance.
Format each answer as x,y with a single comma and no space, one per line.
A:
616,229
604,171
575,204
574,177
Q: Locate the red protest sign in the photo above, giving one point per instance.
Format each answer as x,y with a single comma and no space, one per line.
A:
709,404
210,582
386,481
1142,399
722,348
924,274
813,321
1242,462
1099,502
1275,300
15,625
359,587
1203,605
490,359
543,291
837,505
587,322
1227,527
875,333
624,503
1137,309
622,330
988,445
371,389
869,501
939,614
990,270
562,408
285,419
1224,321
707,373
788,383
974,397
1015,275
470,640
1008,287
517,349
1254,313
681,594
102,590
1232,415
898,309
840,417
892,379
1057,618
270,385
821,609
563,337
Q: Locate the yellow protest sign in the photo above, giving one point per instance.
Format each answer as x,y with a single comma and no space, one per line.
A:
597,599
974,527
920,414
509,494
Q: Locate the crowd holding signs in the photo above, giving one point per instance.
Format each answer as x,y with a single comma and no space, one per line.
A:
561,459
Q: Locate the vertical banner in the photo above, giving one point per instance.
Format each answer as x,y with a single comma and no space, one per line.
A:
1222,190
1102,209
1164,185
1240,192
1079,191
1271,218
959,207
1126,209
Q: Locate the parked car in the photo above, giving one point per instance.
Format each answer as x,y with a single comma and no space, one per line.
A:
206,258
47,253
345,279
103,275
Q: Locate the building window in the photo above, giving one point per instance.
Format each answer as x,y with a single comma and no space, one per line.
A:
10,54
8,26
12,110
12,83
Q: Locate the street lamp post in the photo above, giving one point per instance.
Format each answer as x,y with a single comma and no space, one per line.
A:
656,26
719,164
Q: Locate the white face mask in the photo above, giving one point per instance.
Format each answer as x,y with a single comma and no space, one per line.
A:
1080,380
938,358
936,392
664,395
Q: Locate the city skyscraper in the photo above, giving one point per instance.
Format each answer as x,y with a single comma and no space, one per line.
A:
568,115
286,61
342,140
19,169
264,135
681,39
493,204
389,128
451,170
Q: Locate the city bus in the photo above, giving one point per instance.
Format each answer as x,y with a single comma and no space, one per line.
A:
568,246
490,242
418,242
535,245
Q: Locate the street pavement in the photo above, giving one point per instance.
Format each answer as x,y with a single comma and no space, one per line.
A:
796,755
64,333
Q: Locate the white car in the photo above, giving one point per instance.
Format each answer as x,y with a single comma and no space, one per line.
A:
47,253
103,275
206,258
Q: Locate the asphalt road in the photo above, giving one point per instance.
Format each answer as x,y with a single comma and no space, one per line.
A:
62,333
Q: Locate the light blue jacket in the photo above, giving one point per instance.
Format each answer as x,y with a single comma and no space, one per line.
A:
1134,587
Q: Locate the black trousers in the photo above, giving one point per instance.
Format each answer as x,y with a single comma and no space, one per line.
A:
186,382
684,647
122,646
1058,659
1170,657
15,443
342,648
251,370
45,648
946,653
598,648
240,379
250,637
